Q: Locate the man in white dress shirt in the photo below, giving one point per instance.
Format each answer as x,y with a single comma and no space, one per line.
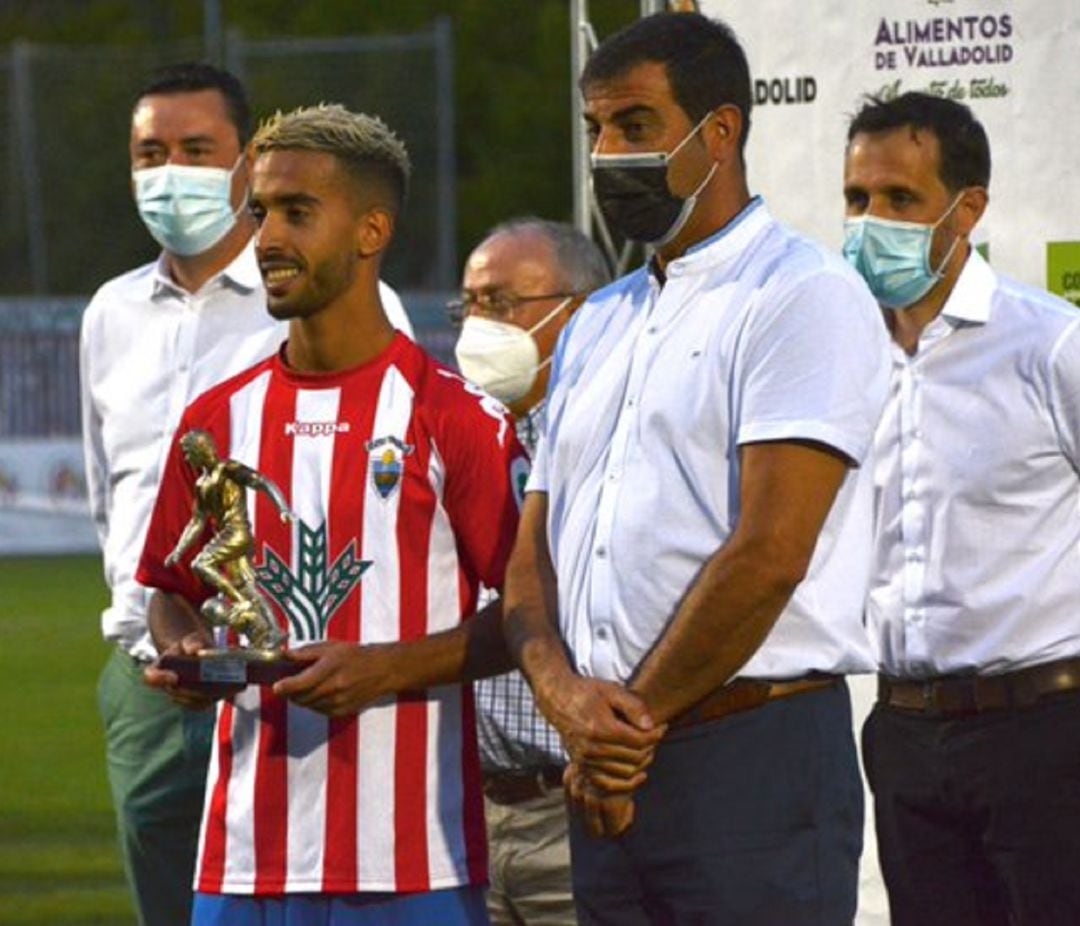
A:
690,571
152,340
971,750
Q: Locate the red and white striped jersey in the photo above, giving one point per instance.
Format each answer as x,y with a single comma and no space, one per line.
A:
406,483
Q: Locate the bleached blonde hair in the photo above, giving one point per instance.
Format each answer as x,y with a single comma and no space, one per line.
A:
364,144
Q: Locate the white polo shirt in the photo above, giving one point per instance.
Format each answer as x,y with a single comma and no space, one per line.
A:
148,348
978,486
758,334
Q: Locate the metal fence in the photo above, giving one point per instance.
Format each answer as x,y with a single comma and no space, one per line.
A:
39,353
69,221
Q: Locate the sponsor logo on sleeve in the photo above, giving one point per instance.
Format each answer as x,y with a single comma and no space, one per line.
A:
491,407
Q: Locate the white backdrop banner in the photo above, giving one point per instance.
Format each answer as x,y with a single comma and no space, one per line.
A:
43,506
1016,63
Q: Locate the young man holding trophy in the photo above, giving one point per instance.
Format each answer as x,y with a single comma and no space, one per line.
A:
350,790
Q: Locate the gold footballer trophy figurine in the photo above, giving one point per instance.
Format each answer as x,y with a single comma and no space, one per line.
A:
224,564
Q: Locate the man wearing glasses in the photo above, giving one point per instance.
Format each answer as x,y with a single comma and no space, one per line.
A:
521,285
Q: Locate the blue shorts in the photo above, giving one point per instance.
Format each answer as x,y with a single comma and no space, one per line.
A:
462,906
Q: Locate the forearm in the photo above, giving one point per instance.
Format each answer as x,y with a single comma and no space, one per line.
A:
785,495
344,678
474,649
531,603
720,624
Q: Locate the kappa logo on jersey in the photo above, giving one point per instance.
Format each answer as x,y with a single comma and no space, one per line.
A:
311,598
387,456
315,428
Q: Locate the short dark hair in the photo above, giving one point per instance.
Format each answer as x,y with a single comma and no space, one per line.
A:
193,76
965,149
705,64
580,262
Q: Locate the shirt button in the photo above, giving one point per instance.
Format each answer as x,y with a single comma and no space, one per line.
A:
601,552
630,402
651,329
613,477
601,633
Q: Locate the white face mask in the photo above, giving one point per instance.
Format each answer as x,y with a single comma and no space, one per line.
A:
501,358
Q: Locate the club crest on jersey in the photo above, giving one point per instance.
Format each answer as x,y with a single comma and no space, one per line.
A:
311,596
387,455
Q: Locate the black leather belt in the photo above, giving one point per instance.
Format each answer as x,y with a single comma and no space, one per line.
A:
519,785
959,695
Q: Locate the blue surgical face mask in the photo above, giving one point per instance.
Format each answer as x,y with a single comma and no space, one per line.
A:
186,209
894,257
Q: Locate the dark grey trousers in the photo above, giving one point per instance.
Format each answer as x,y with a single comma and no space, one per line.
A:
752,819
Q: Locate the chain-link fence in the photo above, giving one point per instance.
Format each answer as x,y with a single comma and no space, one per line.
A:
39,355
65,119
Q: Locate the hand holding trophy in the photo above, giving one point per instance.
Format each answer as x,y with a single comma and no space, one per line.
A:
224,564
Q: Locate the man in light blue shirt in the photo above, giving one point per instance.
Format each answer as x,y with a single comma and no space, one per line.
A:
688,582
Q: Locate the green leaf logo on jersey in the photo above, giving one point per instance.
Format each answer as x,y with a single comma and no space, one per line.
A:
311,598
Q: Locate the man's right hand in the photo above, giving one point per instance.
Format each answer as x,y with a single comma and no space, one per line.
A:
200,699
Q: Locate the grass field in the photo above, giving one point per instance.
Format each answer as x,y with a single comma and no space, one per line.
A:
58,859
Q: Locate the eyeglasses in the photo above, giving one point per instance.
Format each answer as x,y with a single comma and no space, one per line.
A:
497,305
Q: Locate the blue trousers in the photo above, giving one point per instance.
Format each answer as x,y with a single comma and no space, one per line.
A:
752,819
454,907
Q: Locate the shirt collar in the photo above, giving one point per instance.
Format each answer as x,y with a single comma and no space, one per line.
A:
241,274
725,245
970,298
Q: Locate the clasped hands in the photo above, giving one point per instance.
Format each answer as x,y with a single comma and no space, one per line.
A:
611,740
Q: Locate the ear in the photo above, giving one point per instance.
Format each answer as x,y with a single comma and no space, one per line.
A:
374,230
722,132
972,205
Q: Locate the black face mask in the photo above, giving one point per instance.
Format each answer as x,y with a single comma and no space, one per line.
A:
633,194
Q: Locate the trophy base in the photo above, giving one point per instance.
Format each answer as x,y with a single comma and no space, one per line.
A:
231,668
